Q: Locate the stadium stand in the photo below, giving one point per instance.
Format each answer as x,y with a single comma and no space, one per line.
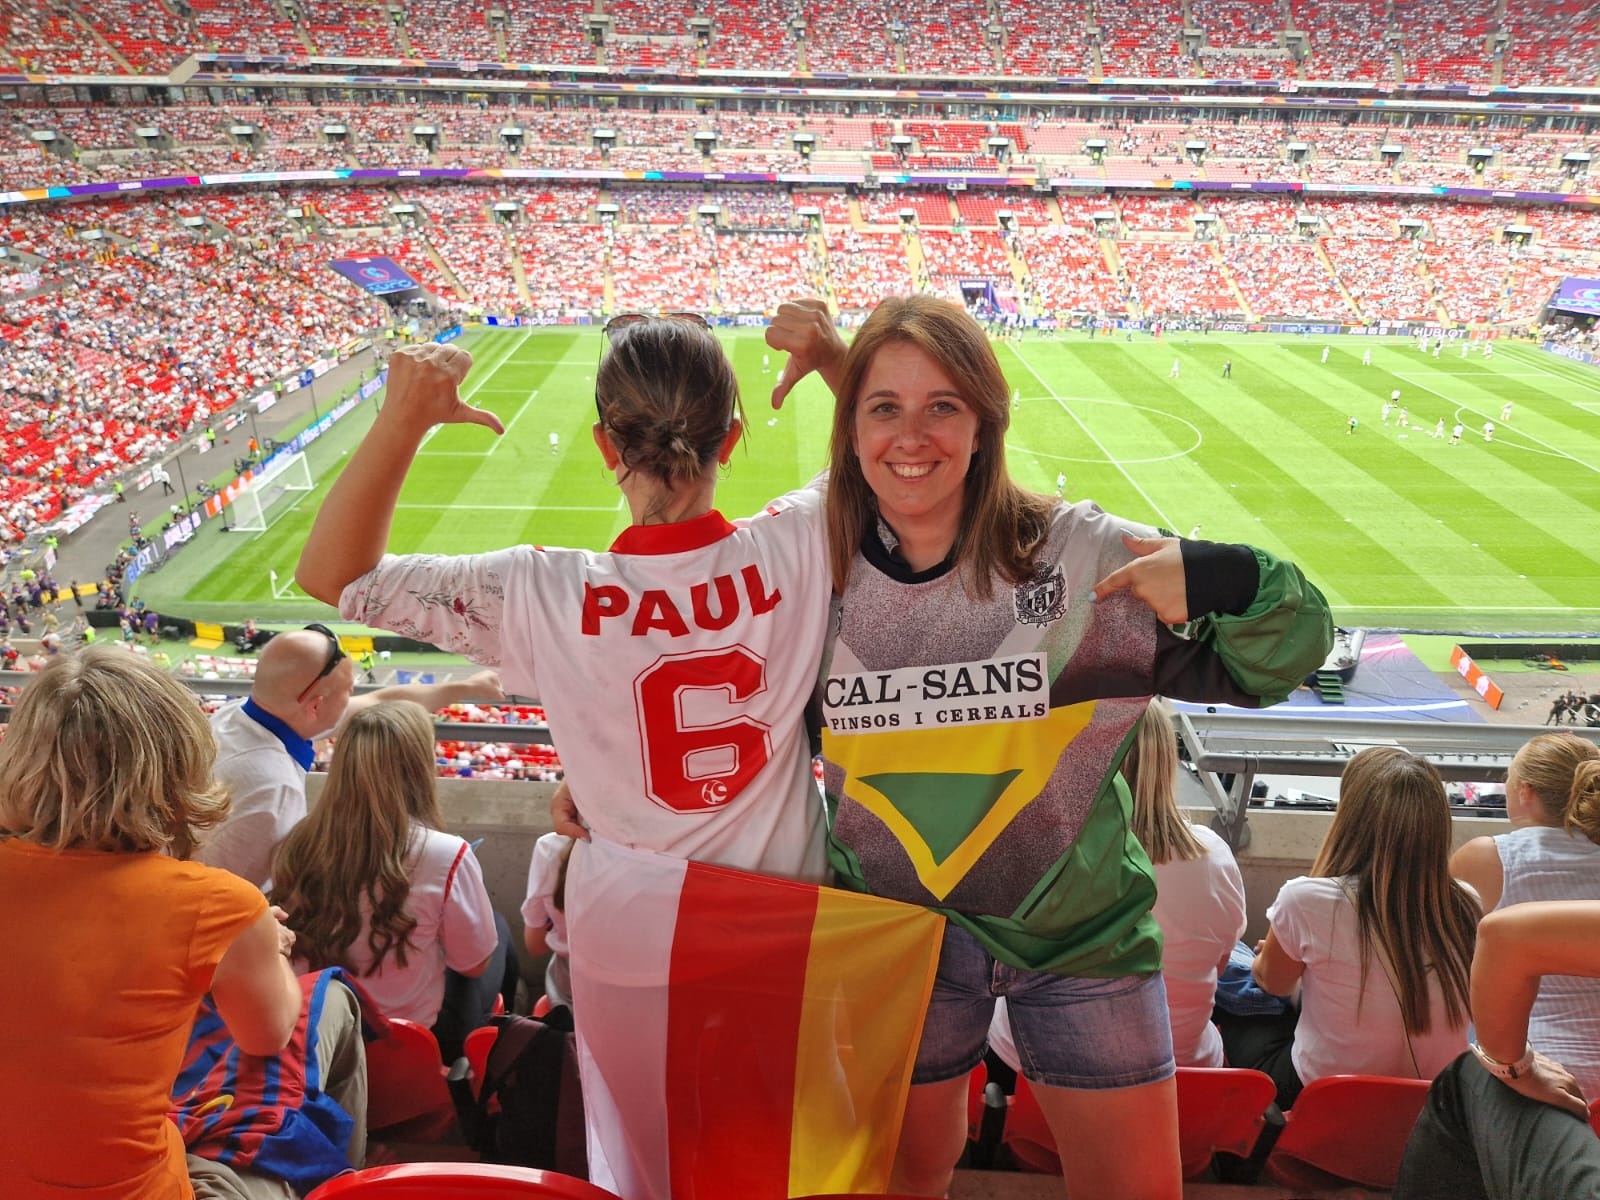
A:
661,270
1068,272
756,272
1178,279
751,35
1141,41
865,266
1282,280
849,36
547,252
1047,43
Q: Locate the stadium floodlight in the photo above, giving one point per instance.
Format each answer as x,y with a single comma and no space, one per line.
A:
289,474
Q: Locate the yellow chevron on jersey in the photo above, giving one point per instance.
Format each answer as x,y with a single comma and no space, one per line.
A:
1009,762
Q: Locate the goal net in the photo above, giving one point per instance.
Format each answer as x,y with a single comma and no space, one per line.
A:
290,474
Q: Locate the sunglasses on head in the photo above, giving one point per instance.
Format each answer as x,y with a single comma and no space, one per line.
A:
336,652
628,320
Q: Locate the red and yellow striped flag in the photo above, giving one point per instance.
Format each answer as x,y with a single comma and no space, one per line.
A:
741,1036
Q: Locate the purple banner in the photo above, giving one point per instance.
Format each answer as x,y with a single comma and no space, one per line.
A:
1578,295
374,274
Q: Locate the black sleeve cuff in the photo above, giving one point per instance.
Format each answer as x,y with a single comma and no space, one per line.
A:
1219,577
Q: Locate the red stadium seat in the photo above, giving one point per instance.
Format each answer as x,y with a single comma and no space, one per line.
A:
447,1181
1219,1108
407,1097
476,1048
1347,1128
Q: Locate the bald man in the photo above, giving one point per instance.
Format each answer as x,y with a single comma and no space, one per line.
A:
302,692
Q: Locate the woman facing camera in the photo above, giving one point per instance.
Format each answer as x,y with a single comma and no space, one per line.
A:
112,937
992,650
1378,938
1551,853
372,883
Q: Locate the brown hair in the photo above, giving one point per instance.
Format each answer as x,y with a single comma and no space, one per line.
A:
1562,770
1001,523
667,396
354,845
1151,769
1391,834
107,752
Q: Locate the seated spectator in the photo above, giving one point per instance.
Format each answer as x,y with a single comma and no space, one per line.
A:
105,777
1551,853
301,693
544,916
1199,891
372,883
1504,1122
1199,897
1378,938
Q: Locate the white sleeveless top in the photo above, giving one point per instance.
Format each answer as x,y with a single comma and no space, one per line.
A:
1542,863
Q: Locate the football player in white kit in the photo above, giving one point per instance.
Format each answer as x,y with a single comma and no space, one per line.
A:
674,668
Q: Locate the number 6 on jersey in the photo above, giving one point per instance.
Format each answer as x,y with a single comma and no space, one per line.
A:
692,761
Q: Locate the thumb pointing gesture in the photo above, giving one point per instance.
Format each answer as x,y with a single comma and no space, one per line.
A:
1155,576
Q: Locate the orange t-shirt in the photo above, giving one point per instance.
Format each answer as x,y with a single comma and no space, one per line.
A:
107,957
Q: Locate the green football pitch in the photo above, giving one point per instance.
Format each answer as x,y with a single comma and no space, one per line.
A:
1396,526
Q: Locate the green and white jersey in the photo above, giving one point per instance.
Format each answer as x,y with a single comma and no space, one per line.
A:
971,745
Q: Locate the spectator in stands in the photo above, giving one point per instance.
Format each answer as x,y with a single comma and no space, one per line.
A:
1504,1121
1199,896
1551,853
372,883
586,632
105,779
1199,892
1378,938
941,562
300,694
544,912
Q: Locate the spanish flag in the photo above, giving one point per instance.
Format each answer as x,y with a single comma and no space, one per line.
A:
741,1036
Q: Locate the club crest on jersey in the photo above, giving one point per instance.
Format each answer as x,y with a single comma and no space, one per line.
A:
715,794
1041,599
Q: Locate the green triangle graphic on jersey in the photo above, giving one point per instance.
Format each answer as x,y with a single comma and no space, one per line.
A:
943,806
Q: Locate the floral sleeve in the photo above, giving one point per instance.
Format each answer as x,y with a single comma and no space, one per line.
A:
456,603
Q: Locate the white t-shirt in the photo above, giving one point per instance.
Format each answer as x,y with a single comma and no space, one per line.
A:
268,791
455,929
1346,1029
1200,908
673,670
540,912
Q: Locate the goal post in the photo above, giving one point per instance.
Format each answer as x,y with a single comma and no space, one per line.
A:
289,474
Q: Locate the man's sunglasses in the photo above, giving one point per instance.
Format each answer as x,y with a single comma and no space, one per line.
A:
336,652
627,320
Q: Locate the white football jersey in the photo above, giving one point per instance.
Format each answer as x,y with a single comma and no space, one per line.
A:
674,670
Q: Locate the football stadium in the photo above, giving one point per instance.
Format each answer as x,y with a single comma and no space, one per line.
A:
1306,290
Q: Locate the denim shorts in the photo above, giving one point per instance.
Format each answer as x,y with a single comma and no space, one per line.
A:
1071,1031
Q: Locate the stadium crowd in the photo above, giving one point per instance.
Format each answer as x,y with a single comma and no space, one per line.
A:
1385,856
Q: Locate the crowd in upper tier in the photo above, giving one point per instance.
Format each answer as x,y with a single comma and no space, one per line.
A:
1447,42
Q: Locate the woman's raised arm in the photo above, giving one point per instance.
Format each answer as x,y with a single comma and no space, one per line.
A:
352,528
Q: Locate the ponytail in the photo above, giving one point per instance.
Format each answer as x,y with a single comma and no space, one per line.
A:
1583,806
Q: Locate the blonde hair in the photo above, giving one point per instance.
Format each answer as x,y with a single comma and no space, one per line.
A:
1001,524
1151,769
354,846
1391,833
106,752
1562,770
